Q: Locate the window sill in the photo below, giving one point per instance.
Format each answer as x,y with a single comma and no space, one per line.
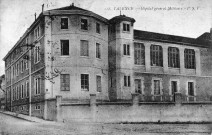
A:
99,59
64,29
87,57
156,67
177,68
64,56
84,90
126,31
139,65
83,30
65,90
127,56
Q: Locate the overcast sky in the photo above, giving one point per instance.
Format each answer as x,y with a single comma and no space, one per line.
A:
189,18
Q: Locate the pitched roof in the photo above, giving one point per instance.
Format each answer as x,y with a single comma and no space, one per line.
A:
70,10
119,18
71,7
152,36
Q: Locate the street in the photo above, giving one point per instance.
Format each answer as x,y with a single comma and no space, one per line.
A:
14,126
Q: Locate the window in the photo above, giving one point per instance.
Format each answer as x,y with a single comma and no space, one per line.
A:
17,69
127,81
85,82
189,55
173,87
65,82
27,88
22,90
84,48
173,57
37,107
138,87
37,86
17,93
84,24
22,66
98,51
64,23
13,71
26,66
191,88
98,84
156,55
126,27
37,33
157,87
27,41
13,94
64,47
139,54
97,28
126,49
37,54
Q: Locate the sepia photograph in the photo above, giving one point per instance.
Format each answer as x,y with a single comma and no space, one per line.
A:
104,67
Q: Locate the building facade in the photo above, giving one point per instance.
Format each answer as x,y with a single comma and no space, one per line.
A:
74,52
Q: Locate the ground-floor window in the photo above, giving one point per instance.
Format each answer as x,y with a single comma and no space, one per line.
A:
37,107
191,88
138,86
127,81
156,86
98,83
173,87
85,82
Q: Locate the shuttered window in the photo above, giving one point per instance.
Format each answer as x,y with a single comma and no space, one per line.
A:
84,48
157,87
65,82
98,84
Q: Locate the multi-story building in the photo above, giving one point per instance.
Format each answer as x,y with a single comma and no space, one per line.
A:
2,92
74,52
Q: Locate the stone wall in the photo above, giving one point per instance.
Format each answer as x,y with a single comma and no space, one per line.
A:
134,111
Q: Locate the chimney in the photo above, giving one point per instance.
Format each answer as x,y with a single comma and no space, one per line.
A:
42,8
35,16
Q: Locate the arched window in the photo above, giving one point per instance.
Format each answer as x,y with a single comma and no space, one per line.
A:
189,55
173,57
139,54
156,53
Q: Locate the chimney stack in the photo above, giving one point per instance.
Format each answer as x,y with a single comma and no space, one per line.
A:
35,16
42,8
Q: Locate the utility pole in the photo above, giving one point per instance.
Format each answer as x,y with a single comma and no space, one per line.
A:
30,81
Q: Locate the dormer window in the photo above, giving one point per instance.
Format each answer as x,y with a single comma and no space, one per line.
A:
64,23
126,27
84,24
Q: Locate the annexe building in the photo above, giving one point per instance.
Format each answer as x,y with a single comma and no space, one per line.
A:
74,52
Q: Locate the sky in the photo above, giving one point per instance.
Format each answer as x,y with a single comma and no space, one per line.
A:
188,18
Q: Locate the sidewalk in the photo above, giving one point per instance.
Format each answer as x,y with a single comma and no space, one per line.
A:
26,117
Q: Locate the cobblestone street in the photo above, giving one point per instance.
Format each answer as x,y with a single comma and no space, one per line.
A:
13,126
